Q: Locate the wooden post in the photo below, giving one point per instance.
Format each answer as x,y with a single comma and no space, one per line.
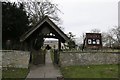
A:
59,45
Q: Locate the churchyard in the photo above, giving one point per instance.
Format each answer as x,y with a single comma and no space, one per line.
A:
71,67
25,54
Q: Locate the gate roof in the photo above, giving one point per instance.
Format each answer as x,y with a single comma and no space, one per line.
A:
40,26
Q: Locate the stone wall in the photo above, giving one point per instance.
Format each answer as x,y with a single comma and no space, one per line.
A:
79,58
18,59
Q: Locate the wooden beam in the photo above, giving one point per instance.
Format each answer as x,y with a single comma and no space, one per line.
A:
59,45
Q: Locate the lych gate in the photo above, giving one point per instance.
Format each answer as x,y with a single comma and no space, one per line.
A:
48,28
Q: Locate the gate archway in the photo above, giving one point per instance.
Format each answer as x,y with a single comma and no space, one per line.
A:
48,28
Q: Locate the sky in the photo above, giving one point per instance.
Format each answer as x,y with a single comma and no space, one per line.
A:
80,16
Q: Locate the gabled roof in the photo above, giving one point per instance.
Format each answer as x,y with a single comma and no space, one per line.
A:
39,24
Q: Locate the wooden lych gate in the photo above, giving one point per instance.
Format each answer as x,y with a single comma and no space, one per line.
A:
48,28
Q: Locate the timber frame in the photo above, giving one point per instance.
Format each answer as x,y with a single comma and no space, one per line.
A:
48,28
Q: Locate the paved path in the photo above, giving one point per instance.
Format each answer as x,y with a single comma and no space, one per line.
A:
44,71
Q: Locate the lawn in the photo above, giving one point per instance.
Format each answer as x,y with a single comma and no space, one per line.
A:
95,51
14,73
92,71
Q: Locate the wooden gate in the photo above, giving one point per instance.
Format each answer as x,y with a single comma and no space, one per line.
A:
56,56
38,57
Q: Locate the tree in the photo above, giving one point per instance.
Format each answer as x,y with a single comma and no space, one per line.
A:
71,36
116,34
15,22
83,38
71,43
107,40
95,30
111,38
37,10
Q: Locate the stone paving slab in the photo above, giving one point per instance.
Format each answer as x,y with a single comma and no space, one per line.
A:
47,71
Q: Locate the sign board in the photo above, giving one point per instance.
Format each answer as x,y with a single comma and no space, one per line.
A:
93,40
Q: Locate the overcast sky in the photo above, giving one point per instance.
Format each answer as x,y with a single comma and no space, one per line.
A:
81,16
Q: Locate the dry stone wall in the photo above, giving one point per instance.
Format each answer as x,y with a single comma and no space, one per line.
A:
72,58
18,59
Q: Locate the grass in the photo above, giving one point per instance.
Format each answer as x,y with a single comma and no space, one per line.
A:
95,51
92,71
14,73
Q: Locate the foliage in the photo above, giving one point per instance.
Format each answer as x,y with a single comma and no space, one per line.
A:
15,22
19,16
90,71
71,43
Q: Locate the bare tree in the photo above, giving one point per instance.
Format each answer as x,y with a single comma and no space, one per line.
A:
116,34
37,10
107,39
112,37
95,30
